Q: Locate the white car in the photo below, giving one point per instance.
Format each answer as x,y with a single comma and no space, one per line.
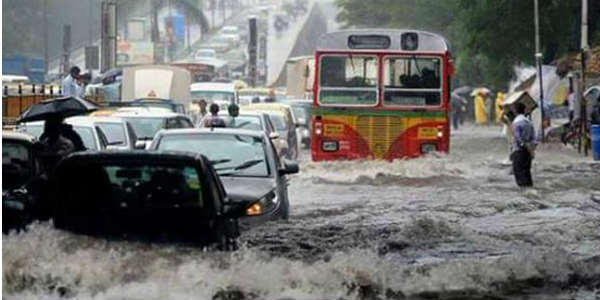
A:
146,123
119,133
205,54
92,136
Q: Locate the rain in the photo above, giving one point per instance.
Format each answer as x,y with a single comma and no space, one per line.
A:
404,223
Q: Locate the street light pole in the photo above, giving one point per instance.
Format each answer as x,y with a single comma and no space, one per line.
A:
538,58
46,58
583,130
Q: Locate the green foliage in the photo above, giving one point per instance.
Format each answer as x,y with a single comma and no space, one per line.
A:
488,37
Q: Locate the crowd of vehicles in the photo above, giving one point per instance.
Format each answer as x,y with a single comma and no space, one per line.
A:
377,94
145,160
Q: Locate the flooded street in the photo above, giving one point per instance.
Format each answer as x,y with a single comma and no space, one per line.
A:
438,227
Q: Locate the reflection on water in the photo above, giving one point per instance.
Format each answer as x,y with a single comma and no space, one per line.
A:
443,226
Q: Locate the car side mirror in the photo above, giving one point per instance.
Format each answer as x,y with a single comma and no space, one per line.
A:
274,135
140,145
289,167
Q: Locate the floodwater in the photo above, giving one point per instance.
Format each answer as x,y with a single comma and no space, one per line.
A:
445,227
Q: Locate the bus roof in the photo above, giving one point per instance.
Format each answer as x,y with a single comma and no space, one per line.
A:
367,39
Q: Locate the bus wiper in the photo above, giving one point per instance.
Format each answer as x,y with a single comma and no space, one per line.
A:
243,166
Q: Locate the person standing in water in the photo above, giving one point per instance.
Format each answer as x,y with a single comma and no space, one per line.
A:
524,142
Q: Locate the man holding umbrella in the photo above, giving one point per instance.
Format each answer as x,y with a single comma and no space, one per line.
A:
58,139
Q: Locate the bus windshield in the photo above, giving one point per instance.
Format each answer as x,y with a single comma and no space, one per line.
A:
412,81
348,80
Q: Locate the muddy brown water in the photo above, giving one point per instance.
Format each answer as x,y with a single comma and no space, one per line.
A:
442,227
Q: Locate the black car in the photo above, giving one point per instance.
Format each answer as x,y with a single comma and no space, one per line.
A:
20,167
139,192
246,161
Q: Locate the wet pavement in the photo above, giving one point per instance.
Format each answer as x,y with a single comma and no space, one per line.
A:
445,226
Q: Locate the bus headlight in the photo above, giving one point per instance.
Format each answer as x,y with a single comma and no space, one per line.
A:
330,146
427,148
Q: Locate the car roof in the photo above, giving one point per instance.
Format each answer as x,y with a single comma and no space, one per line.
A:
212,86
79,121
96,119
244,113
298,101
13,135
146,114
214,130
158,156
267,106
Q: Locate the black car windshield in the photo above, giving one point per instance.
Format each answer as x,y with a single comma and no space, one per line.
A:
115,133
235,154
146,128
279,121
161,184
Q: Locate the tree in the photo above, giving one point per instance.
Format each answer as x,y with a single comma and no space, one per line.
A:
489,37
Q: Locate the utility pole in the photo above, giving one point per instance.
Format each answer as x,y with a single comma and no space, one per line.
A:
538,58
109,34
46,58
154,31
252,51
583,130
66,59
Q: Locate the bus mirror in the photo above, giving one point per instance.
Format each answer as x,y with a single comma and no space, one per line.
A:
451,67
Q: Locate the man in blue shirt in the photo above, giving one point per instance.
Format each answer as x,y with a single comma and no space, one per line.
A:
523,147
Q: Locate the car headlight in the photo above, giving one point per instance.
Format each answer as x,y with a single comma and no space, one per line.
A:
265,204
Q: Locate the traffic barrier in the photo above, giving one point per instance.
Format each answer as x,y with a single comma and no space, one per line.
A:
18,98
596,141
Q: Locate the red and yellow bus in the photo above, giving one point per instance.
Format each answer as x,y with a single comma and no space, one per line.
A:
380,94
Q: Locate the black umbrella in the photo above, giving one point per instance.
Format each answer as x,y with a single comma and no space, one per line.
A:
59,107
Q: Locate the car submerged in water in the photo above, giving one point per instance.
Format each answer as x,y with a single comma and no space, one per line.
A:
246,161
19,167
148,193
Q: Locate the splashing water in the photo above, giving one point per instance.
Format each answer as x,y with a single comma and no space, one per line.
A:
442,226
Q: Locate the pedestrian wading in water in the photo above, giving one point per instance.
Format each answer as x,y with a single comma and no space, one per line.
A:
523,147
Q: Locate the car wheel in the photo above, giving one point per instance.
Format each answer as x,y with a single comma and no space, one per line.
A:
225,236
